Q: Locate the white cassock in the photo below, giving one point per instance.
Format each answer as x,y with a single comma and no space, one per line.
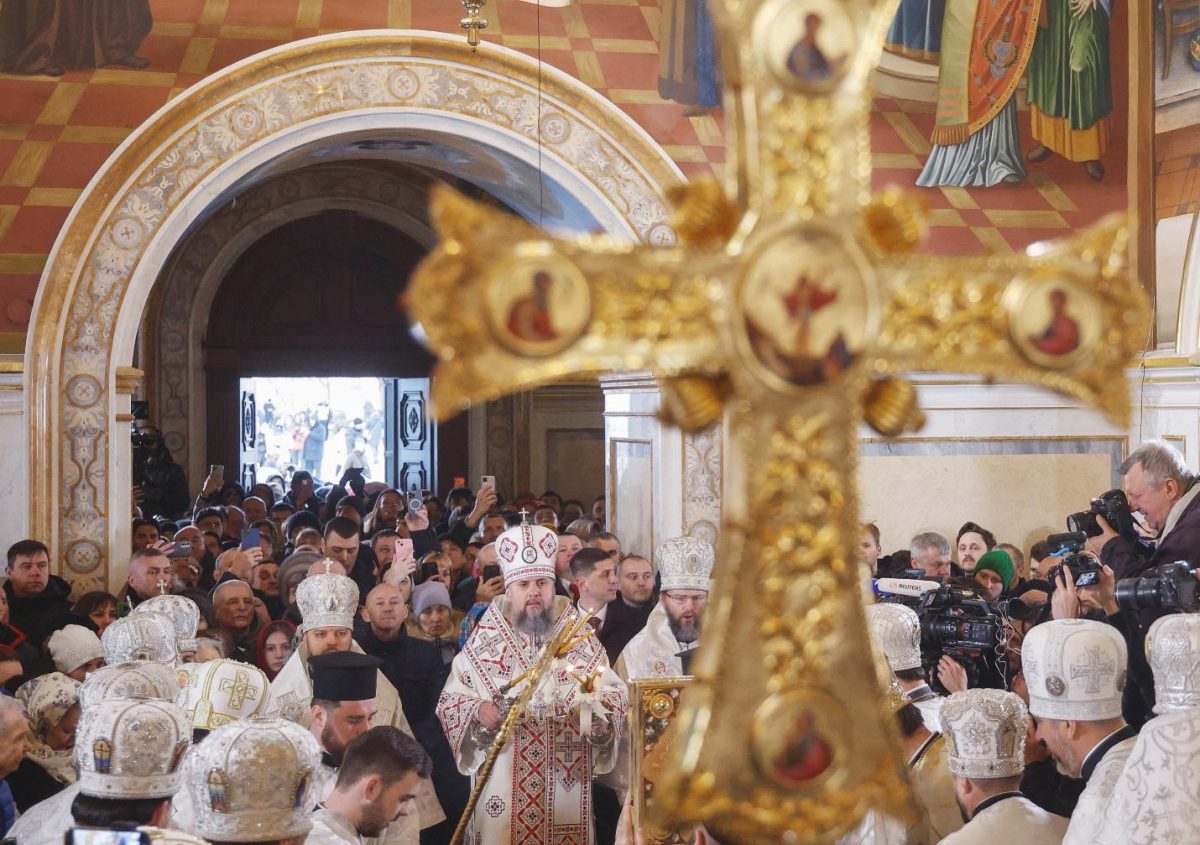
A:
1087,821
1157,799
653,652
930,705
540,791
876,828
329,828
1015,819
291,693
46,822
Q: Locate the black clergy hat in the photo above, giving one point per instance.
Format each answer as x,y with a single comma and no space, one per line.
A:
344,676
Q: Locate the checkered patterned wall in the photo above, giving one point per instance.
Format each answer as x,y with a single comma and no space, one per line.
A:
55,132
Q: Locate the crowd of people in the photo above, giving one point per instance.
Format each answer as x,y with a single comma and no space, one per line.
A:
340,611
1088,729
338,666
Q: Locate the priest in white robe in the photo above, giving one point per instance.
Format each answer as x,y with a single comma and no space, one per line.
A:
896,630
540,790
327,604
1157,798
672,633
985,733
1075,670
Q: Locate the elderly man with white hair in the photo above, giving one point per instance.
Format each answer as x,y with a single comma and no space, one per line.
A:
1162,488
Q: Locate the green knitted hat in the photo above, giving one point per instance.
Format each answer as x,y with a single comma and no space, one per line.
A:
999,562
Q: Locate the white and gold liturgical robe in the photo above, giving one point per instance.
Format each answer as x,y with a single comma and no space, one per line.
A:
653,652
1157,799
291,694
1102,770
331,829
540,791
1010,818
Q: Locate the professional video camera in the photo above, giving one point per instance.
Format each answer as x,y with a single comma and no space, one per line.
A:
1084,570
1172,588
955,621
1114,507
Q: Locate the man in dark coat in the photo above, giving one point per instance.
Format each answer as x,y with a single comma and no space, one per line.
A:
416,670
1160,486
627,614
314,443
38,603
162,481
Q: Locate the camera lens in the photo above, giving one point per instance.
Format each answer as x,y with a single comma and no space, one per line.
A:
1139,594
1085,522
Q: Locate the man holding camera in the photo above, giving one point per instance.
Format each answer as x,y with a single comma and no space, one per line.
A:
1159,485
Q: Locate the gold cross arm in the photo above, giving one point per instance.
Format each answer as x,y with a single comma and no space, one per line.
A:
506,308
792,306
997,316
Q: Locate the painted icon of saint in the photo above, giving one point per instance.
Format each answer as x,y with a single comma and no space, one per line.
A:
529,318
807,61
804,755
793,357
1061,335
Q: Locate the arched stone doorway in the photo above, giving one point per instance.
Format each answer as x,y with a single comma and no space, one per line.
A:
206,142
177,317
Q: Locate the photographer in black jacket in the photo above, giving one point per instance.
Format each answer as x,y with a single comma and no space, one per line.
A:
1160,486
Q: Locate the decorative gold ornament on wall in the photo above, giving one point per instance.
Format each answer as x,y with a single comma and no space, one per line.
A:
796,303
473,22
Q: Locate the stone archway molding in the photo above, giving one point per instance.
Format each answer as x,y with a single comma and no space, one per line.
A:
179,318
109,253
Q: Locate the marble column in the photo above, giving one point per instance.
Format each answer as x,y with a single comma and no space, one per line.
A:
660,482
15,487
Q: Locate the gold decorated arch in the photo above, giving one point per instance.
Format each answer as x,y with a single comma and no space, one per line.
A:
122,230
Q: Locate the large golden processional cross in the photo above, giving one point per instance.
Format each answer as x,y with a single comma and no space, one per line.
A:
791,307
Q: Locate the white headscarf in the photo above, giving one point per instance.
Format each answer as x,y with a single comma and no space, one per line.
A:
47,699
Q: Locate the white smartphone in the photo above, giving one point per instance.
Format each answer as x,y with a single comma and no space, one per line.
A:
487,481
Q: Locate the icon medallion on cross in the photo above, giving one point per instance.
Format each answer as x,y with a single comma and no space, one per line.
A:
791,308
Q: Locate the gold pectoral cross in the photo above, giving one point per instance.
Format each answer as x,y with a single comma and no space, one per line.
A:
792,305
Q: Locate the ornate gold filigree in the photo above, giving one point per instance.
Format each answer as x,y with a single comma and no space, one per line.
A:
796,304
890,407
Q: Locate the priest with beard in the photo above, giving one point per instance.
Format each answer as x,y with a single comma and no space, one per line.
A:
664,648
328,603
344,705
540,788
